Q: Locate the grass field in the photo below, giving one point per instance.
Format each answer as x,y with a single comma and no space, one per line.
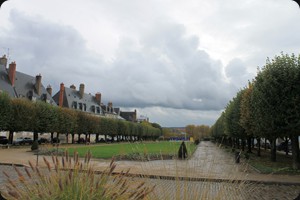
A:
106,151
283,165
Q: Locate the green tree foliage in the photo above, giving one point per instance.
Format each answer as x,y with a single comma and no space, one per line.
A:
197,132
5,111
24,115
276,93
67,120
233,128
246,117
170,132
40,117
46,118
158,126
269,107
218,130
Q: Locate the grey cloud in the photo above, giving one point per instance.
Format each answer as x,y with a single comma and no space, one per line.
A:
168,70
163,68
56,51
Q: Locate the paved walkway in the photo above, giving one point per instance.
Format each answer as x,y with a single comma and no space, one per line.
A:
208,162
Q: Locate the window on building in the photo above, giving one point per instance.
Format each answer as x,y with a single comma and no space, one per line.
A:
74,105
80,106
98,110
30,95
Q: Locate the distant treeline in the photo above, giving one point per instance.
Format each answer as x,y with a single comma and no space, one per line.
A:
39,117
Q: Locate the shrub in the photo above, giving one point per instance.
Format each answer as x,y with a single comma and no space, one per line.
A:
182,152
35,145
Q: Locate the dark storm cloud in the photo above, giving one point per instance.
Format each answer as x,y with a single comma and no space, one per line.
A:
58,52
161,69
166,58
166,68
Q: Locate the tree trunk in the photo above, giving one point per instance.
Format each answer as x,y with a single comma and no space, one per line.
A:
97,137
51,136
243,145
67,137
86,138
249,144
35,136
78,139
238,143
258,150
286,146
73,136
273,150
10,137
295,151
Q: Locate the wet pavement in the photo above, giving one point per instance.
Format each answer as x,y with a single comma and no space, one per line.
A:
211,173
178,189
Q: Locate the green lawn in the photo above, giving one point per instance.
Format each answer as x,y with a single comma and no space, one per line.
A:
283,165
106,151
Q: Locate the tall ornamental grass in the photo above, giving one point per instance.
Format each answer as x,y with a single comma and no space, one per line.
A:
69,178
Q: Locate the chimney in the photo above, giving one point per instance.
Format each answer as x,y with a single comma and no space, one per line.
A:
49,90
12,72
61,95
38,84
73,87
81,90
3,60
98,98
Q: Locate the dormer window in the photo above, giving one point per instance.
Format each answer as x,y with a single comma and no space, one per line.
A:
93,108
30,94
98,110
44,97
74,105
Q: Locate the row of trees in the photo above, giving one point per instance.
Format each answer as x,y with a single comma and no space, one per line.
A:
40,117
268,108
197,132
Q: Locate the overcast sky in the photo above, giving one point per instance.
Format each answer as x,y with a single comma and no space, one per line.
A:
177,62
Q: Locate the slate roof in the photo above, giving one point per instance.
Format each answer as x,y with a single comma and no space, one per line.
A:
5,84
24,86
73,100
129,116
